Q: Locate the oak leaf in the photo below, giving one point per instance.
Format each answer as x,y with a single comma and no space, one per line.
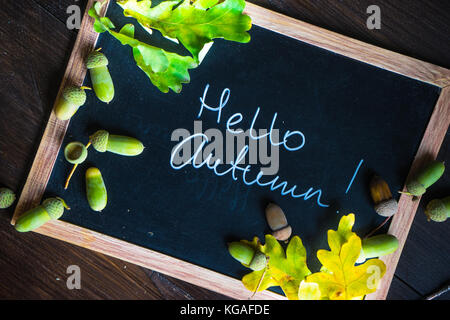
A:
284,268
166,70
340,278
193,24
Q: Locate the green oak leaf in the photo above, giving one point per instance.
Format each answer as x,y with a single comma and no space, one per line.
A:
166,70
193,24
286,269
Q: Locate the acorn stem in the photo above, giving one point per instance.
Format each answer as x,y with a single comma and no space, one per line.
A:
70,176
63,203
378,228
260,279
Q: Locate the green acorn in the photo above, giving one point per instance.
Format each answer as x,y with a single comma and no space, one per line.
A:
71,100
101,79
248,256
425,178
96,190
50,209
7,198
377,246
102,141
438,210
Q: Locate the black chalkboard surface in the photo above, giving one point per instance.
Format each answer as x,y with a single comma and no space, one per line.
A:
352,116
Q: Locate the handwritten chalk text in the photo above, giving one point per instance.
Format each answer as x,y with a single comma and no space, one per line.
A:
235,167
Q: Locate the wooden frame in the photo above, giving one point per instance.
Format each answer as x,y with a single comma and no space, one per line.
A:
75,73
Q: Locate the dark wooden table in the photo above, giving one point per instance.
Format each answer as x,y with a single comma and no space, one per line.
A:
36,45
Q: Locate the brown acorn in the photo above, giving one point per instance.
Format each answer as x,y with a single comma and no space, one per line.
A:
385,204
277,222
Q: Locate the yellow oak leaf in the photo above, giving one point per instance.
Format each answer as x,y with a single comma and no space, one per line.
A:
340,279
284,268
309,291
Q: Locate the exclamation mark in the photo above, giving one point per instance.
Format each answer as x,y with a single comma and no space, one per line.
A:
354,175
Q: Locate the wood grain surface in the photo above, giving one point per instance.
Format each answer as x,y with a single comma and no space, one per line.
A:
36,49
407,205
55,129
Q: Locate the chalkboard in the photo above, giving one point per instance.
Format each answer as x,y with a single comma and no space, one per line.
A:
348,121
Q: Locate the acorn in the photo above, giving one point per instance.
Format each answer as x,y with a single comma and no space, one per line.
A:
102,83
438,210
96,189
377,246
385,205
248,256
102,141
425,178
72,98
50,209
278,223
7,198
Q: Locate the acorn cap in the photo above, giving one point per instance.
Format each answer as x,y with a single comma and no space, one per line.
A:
436,211
7,198
95,60
54,207
415,188
75,95
283,234
75,152
259,261
387,208
99,140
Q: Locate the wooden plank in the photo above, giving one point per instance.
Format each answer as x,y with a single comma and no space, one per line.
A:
349,47
75,73
151,259
425,259
56,129
28,83
402,220
401,291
